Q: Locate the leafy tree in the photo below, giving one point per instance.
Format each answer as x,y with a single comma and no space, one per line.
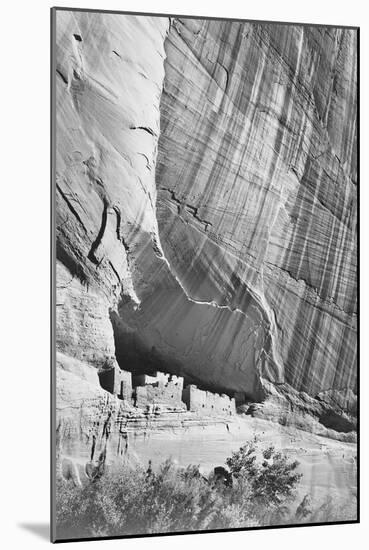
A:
243,461
273,480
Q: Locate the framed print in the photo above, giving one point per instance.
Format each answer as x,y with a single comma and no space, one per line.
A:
205,280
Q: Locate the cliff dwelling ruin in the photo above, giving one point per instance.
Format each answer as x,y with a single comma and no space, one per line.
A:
163,391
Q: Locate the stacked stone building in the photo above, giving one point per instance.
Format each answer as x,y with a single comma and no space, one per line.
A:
166,391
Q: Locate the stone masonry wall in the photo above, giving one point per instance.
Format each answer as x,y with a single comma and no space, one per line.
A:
117,381
208,403
160,389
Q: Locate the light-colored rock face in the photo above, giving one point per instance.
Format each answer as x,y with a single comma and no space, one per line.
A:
107,125
107,104
206,215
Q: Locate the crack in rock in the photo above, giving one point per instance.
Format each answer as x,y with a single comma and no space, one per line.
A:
189,208
145,129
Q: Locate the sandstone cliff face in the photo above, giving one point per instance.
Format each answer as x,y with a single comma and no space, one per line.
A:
256,207
206,210
108,122
256,185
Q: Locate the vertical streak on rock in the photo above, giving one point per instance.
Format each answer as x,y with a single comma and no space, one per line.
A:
270,162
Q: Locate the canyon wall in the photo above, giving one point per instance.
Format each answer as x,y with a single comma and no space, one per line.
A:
107,127
256,205
206,211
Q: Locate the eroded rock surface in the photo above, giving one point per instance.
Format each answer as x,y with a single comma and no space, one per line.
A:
206,219
256,185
